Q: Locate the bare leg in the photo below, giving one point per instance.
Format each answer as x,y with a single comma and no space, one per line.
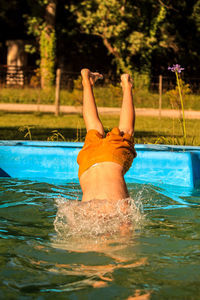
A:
127,115
90,113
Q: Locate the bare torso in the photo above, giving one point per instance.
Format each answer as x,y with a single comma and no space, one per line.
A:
104,181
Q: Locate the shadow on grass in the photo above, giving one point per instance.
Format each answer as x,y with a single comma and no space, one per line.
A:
41,134
70,134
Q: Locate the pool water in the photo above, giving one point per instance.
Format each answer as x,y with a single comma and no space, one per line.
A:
44,256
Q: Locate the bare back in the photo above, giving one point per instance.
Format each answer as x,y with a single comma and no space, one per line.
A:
104,181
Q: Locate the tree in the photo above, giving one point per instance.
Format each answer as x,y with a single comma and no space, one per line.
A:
196,14
180,43
41,23
48,45
128,28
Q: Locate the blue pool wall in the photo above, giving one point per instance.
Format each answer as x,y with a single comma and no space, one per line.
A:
160,164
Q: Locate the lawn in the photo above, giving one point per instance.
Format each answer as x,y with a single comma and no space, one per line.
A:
18,126
108,95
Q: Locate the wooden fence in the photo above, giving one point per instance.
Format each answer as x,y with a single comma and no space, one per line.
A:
28,77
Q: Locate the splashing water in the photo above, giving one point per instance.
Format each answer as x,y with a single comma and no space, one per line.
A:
96,217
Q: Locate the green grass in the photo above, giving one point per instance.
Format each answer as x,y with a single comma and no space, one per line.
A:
71,126
107,95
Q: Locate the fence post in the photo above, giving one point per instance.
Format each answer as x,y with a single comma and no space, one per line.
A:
57,94
160,95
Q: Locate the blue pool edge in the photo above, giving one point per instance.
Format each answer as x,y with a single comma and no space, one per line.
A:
159,164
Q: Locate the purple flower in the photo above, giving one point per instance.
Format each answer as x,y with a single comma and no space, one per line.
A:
176,68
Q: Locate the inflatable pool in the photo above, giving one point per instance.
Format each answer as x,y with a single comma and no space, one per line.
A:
157,164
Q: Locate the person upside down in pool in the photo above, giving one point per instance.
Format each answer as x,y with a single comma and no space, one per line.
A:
104,160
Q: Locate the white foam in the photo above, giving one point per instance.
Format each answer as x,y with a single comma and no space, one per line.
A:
96,217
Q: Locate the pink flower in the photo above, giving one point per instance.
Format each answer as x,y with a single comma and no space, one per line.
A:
176,68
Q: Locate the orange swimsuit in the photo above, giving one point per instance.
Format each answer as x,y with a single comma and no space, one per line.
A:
115,147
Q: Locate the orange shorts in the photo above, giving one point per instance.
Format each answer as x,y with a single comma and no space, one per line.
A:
115,147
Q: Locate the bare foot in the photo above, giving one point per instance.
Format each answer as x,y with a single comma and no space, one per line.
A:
91,76
126,81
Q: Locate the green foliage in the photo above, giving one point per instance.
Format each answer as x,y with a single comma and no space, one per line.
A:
108,96
196,14
137,34
177,97
174,96
141,81
47,55
30,49
79,136
168,140
107,20
42,28
122,29
175,140
56,136
78,83
27,95
34,25
27,130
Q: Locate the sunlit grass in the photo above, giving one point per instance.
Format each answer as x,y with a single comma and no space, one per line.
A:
71,126
108,95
